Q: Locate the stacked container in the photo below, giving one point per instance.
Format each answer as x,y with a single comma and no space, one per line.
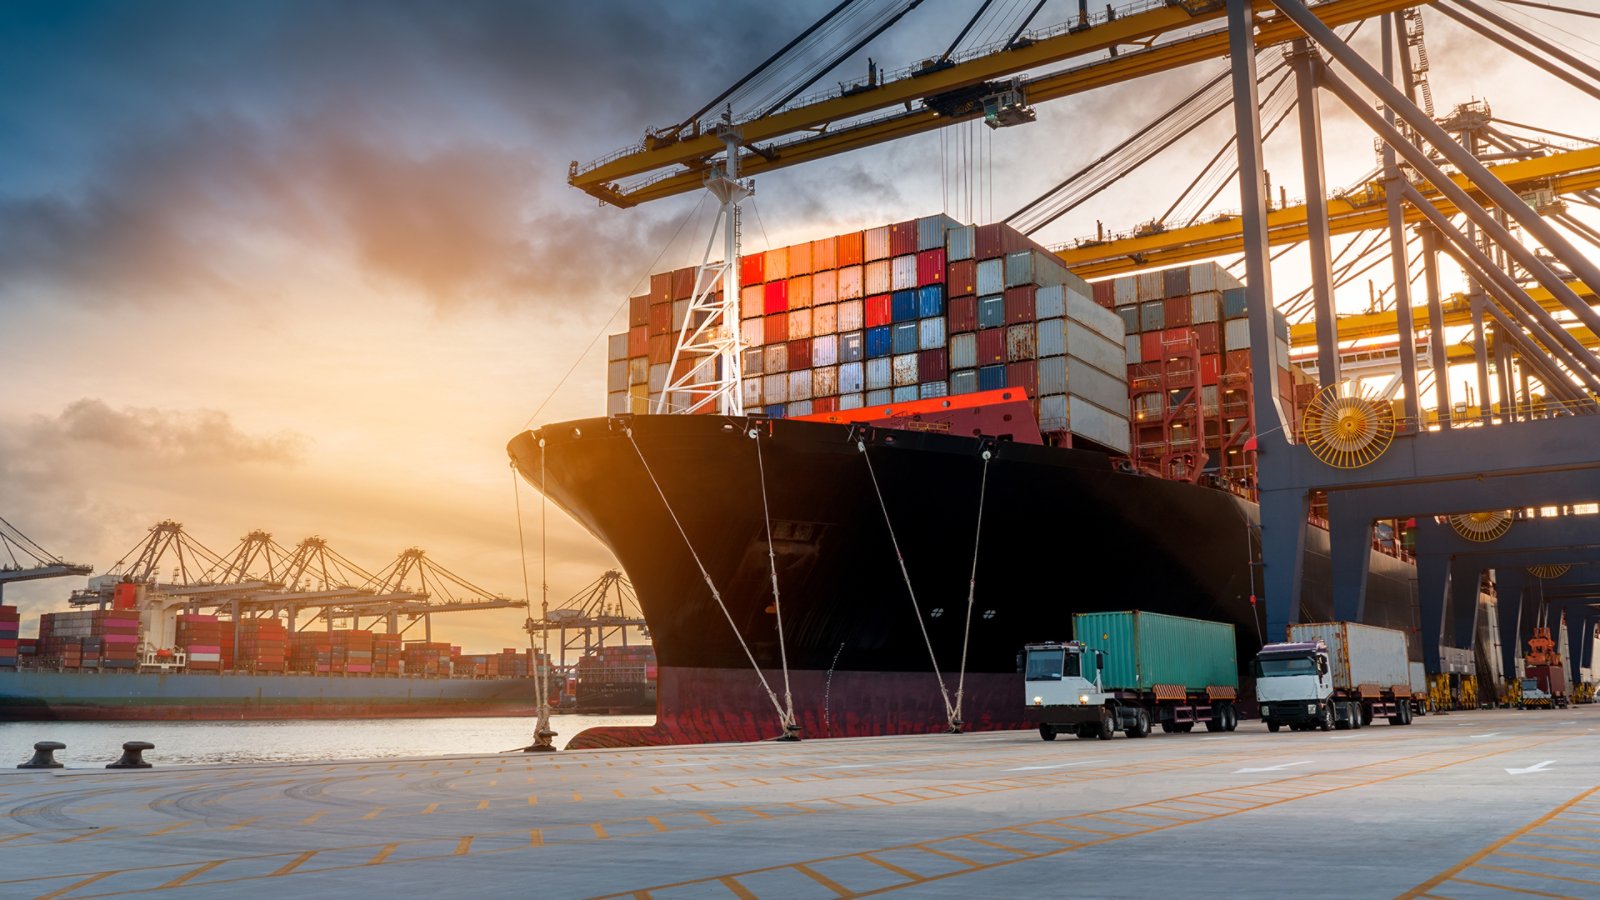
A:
427,658
10,643
200,639
387,654
916,310
311,652
91,638
263,646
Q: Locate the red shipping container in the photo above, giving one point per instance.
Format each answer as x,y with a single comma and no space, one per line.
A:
998,240
753,268
1210,369
1177,340
777,330
1023,375
961,278
1150,346
825,405
963,314
878,311
800,354
776,297
125,596
638,341
933,365
1177,311
1236,362
823,254
1105,294
661,288
1207,337
930,267
660,349
639,310
683,284
903,238
660,318
991,346
848,249
1019,305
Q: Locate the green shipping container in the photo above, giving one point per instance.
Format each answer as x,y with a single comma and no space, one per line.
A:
1146,649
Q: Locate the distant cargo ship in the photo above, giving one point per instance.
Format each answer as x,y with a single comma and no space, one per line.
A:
1116,419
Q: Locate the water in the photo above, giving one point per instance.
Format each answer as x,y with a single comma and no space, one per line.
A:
93,744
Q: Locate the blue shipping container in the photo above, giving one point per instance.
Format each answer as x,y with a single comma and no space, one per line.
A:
1234,305
930,301
905,394
879,342
991,311
903,306
905,337
991,378
775,411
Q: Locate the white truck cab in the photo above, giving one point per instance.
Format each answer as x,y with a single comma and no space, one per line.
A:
1293,686
1062,680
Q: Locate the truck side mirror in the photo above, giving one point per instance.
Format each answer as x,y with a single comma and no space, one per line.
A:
1019,662
1099,661
1322,665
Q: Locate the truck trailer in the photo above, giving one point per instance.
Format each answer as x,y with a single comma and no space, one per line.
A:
1130,671
1334,675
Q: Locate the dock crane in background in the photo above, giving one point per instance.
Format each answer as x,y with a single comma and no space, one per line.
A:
27,561
602,611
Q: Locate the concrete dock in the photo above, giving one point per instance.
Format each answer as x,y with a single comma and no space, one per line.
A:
1482,804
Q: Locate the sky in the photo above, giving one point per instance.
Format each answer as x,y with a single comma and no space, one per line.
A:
307,267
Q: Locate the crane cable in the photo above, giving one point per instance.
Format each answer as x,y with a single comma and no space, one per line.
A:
944,691
715,594
972,590
787,714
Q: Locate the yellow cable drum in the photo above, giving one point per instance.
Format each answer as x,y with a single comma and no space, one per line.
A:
1346,426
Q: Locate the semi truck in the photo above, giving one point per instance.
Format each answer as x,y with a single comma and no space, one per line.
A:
1334,675
1131,671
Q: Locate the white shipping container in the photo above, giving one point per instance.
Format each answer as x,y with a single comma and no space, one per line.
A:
1124,292
1130,347
1359,654
849,315
1236,334
879,397
1049,270
1205,307
875,242
903,272
930,389
850,283
904,394
960,243
1052,411
1019,269
680,314
1097,318
991,276
964,351
931,231
905,370
750,389
851,401
658,378
798,408
964,381
639,371
880,373
1202,278
876,280
1096,424
825,319
1053,377
617,346
1050,302
930,333
617,403
1105,391
617,375
1282,354
825,350
775,388
1107,356
852,378
1052,337
1150,286
800,385
753,332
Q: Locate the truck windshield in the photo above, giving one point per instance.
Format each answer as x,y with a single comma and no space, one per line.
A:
1293,665
1051,665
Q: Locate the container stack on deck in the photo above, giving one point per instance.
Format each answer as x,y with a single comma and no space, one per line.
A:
92,638
617,678
919,309
200,638
423,658
10,643
263,646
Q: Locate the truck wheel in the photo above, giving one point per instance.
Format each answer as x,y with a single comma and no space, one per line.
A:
1215,722
1357,719
1047,731
1088,731
1108,727
1366,715
1168,728
1327,718
1233,718
1141,725
1405,712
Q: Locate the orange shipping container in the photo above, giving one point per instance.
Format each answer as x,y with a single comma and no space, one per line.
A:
824,287
848,249
822,254
799,323
800,259
777,264
799,291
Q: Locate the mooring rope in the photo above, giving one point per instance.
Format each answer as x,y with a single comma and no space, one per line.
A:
972,589
715,594
949,710
777,604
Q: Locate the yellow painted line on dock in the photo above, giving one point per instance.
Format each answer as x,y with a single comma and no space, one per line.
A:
1545,874
170,828
822,879
377,811
312,819
242,823
90,834
1451,873
536,838
429,809
1509,890
464,846
381,855
198,870
655,823
738,890
75,885
533,799
292,864
599,830
483,804
577,797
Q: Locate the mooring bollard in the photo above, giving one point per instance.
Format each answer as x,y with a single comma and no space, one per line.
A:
44,756
133,756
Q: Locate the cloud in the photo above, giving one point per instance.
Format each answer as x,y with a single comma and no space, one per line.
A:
156,436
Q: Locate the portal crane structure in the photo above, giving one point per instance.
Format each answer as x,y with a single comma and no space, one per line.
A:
27,561
602,611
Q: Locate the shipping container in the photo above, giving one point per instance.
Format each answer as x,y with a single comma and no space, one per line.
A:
752,301
617,346
1130,319
991,276
852,378
875,243
777,264
1359,654
878,310
933,365
1023,375
799,355
799,386
1175,282
1107,356
1019,305
750,390
931,231
991,378
1151,348
930,333
617,375
1053,380
776,298
824,254
1144,649
660,288
851,283
905,369
775,389
930,301
825,350
1176,311
799,291
854,400
929,390
903,338
824,288
800,259
617,403
1124,292
660,318
850,317
930,267
753,332
1152,316
852,346
991,347
960,242
1050,302
964,351
963,314
639,369
876,277
1236,334
1052,409
775,329
964,381
824,320
991,311
1084,311
904,394
879,342
1150,286
639,311
880,373
1021,343
849,248
1205,307
1133,347
799,408
1103,390
775,359
799,324
1099,424
903,306
961,278
1207,337
903,272
1234,304
1104,294
903,238
1203,278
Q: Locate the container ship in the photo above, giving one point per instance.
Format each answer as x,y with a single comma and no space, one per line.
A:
132,664
617,680
953,445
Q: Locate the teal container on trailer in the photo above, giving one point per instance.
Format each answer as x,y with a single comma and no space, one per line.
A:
1145,649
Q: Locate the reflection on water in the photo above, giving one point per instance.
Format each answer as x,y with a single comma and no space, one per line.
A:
93,744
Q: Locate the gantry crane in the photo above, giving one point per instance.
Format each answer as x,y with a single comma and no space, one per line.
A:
27,561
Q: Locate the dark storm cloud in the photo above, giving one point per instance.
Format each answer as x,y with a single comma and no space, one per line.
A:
424,142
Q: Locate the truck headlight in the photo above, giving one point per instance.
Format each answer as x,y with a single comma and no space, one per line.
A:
1311,708
1083,698
1038,701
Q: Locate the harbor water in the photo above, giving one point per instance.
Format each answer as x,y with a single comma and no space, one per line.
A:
301,740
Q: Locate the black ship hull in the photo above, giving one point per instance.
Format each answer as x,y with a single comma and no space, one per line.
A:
1062,531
